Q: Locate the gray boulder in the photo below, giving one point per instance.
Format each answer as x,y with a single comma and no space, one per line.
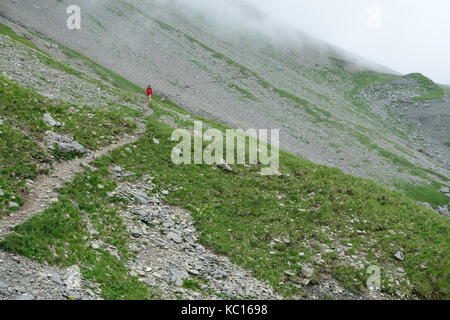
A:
13,204
141,197
48,119
64,144
444,211
399,256
445,190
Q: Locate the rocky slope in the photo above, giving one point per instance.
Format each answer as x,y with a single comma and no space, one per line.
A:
283,79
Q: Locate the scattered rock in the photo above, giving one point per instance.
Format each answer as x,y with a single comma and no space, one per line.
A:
13,204
289,273
444,211
27,36
177,276
224,166
426,205
56,279
445,190
155,141
48,119
3,285
64,144
307,272
23,279
399,256
175,237
141,197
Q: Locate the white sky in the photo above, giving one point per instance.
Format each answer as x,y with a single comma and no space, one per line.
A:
404,35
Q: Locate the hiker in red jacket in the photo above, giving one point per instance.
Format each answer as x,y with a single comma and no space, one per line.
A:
149,93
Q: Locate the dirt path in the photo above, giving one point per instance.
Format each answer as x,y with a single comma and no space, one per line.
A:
44,190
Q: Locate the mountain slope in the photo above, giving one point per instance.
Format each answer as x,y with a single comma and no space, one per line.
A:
312,232
278,79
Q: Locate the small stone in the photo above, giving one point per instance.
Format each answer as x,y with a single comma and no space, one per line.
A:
56,279
445,190
160,244
399,256
64,144
100,186
174,237
27,36
444,211
155,141
48,119
141,197
307,272
289,273
224,166
117,169
1,193
13,204
95,245
193,271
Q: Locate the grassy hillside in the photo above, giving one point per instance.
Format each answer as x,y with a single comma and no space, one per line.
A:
313,215
22,156
334,222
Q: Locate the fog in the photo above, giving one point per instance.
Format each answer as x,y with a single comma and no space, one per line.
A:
404,35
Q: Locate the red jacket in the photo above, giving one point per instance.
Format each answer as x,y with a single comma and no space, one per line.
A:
149,92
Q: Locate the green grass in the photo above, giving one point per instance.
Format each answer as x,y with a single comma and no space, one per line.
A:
24,127
59,236
239,214
19,159
429,89
194,284
5,30
248,205
244,93
424,193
